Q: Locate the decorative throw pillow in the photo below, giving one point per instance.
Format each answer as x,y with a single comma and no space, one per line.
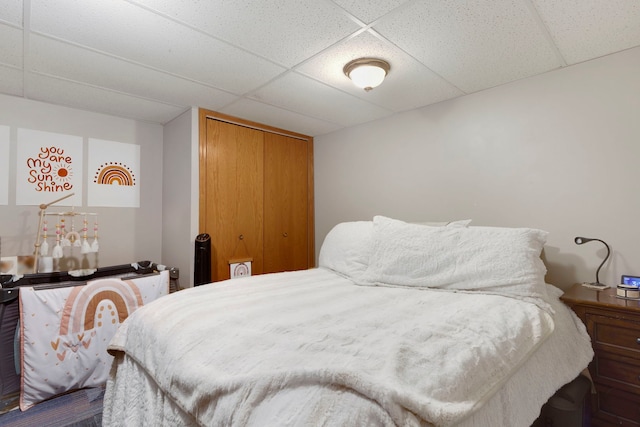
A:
65,332
496,260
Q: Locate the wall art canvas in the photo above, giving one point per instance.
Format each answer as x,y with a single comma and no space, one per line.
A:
113,174
49,165
4,165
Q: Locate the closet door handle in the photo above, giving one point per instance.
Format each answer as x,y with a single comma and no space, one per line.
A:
287,235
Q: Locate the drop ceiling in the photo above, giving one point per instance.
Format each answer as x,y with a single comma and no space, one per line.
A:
279,62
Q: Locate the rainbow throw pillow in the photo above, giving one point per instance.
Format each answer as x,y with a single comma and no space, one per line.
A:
64,332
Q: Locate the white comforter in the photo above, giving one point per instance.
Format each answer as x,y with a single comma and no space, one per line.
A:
240,352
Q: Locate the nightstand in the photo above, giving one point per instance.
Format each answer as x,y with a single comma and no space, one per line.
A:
614,326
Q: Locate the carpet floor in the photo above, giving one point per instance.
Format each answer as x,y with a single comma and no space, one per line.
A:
81,408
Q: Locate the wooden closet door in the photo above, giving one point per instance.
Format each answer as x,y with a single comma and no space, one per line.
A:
233,195
286,203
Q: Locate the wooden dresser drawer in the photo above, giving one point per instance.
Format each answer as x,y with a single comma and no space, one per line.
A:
616,370
614,333
616,408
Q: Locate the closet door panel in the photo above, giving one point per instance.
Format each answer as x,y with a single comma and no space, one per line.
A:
234,197
286,205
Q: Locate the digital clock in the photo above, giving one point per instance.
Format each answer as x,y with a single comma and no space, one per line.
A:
631,281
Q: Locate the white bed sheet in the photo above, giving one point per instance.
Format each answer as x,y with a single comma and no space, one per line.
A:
148,382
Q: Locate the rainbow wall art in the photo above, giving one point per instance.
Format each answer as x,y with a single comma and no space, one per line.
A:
113,174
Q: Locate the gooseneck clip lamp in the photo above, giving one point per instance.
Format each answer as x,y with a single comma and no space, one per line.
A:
582,240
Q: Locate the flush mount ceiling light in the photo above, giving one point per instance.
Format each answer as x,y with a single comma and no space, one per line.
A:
367,73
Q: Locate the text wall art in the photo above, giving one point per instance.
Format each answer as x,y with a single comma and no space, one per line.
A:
48,165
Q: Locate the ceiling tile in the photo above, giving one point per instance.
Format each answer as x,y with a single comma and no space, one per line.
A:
304,95
56,91
586,29
369,10
125,30
474,45
277,117
11,46
11,11
408,85
74,63
280,61
286,31
11,81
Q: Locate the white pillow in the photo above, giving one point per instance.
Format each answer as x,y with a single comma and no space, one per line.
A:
459,223
65,332
347,247
494,260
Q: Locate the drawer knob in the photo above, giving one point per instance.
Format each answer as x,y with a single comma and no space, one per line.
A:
638,340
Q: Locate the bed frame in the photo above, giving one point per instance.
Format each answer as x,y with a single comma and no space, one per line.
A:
10,314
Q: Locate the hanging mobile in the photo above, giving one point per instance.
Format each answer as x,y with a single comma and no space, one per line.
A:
64,241
72,236
44,247
40,248
94,244
57,249
86,247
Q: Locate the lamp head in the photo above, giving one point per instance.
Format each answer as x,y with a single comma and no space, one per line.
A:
581,240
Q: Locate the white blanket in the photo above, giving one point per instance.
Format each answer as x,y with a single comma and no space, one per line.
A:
224,351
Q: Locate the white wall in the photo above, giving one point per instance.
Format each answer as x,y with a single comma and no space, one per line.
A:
557,152
180,194
126,234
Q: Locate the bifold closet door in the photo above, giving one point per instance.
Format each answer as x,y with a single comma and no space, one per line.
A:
286,203
233,197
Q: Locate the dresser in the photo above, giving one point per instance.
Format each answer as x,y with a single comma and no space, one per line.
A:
614,326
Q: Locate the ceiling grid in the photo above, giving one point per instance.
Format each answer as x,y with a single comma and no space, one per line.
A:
281,62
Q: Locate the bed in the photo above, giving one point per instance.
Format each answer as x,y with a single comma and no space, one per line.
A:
401,324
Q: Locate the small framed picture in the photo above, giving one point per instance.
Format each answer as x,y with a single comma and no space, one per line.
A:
240,267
